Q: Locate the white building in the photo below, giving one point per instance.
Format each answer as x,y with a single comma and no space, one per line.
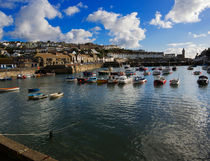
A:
141,55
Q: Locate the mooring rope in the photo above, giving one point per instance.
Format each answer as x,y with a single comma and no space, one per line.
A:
43,133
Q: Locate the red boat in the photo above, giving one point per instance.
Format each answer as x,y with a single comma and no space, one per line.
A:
82,80
159,81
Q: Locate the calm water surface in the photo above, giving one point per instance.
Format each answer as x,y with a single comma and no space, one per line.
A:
112,123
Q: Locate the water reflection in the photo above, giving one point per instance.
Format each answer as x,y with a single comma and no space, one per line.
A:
130,122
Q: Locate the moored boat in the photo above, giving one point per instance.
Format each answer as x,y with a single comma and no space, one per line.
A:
156,72
91,80
174,68
34,96
174,82
196,72
124,79
71,79
81,80
102,81
203,80
33,90
159,81
138,79
56,95
166,71
129,72
9,89
112,79
190,68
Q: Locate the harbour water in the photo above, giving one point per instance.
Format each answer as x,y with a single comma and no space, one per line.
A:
111,122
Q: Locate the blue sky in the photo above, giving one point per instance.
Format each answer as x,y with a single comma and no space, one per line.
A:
166,25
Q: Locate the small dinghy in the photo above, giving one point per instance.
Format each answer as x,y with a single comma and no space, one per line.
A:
37,96
56,95
9,89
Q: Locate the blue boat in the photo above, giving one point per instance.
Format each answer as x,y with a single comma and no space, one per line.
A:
33,90
92,80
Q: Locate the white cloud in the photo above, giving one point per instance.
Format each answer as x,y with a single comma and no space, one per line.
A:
4,21
158,22
74,9
208,32
125,30
31,24
191,49
96,30
183,11
197,35
78,36
10,4
187,11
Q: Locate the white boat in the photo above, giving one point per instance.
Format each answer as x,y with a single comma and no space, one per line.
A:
9,89
56,95
124,79
156,72
174,81
138,79
205,67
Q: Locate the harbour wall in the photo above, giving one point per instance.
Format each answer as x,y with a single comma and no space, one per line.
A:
16,71
69,69
11,150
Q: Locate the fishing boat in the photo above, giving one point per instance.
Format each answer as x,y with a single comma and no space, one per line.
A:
71,79
196,72
124,79
102,81
138,79
154,68
9,89
156,72
81,80
174,82
33,90
146,73
112,79
160,68
203,80
91,80
159,81
56,95
104,72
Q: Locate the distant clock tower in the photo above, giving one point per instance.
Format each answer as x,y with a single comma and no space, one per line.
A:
183,53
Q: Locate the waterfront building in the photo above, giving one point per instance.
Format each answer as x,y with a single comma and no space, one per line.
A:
137,55
45,59
7,63
181,56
